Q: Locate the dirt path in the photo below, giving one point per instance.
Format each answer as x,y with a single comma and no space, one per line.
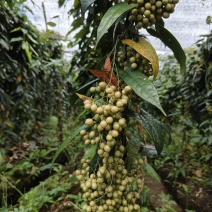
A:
155,190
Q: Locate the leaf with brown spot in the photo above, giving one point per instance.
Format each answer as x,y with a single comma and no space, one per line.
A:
144,48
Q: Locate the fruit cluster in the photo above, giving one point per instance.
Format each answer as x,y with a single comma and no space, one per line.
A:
110,184
130,59
149,11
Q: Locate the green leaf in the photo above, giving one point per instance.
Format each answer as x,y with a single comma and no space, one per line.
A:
142,87
85,4
89,154
110,17
169,40
16,29
32,39
48,34
16,39
25,46
4,44
150,170
158,131
51,24
75,25
61,3
67,141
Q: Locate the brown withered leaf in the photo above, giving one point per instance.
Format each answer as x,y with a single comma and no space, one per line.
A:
106,74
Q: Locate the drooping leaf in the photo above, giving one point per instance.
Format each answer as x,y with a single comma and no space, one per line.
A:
106,74
169,40
51,24
150,170
85,4
158,131
110,17
67,141
142,87
91,151
144,48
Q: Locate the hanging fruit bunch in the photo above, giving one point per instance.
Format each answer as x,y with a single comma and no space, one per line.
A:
149,11
108,181
129,59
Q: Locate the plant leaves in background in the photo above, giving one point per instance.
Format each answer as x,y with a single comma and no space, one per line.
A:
67,141
150,170
169,40
142,87
61,2
51,24
85,4
110,17
25,46
145,48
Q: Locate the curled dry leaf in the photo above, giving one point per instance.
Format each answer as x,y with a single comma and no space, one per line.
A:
106,74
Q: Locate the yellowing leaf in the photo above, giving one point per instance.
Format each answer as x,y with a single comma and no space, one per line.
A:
84,97
144,48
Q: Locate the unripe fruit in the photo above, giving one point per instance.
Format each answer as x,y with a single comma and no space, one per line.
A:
122,121
87,106
102,85
132,59
93,107
107,148
147,6
114,109
134,65
103,123
82,132
89,122
100,110
114,133
92,134
109,90
107,107
119,103
92,89
117,95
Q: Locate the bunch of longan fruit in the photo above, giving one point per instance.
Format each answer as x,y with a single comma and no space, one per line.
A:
149,11
128,59
109,183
